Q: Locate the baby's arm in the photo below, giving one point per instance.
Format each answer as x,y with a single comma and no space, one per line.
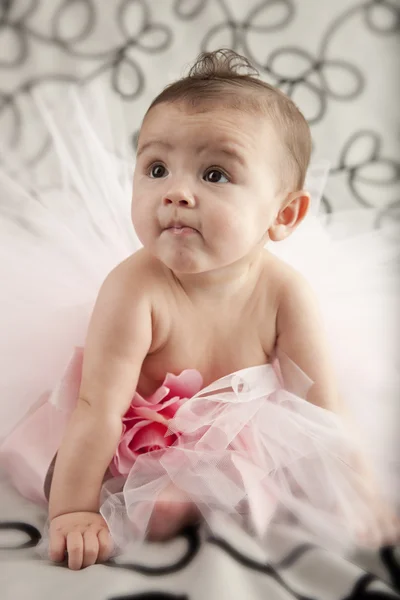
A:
300,335
118,340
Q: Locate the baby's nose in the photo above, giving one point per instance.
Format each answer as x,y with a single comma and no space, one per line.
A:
179,198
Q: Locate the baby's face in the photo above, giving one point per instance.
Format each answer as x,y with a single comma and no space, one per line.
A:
205,186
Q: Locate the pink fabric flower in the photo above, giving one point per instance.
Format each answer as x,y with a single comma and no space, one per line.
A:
146,422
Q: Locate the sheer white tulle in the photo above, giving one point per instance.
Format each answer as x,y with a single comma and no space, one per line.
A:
249,453
249,446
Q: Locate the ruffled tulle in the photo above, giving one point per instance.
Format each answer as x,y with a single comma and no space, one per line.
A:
356,279
249,446
244,446
57,247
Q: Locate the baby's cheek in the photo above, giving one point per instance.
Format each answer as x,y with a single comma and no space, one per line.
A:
144,232
229,219
231,233
223,231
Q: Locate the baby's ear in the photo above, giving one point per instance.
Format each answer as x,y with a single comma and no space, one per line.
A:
290,215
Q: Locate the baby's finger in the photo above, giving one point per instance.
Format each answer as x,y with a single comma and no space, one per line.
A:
105,545
90,549
57,546
75,550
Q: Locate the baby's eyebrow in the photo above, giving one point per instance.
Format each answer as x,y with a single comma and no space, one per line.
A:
147,145
208,148
222,149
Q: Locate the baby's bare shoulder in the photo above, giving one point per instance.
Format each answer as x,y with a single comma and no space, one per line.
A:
139,291
140,272
280,272
130,289
285,279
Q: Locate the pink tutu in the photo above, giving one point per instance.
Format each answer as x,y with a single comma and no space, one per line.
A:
245,446
248,446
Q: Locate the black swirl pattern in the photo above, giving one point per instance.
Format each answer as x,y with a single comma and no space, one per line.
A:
316,79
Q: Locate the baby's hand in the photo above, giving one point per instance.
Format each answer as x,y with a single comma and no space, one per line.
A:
83,535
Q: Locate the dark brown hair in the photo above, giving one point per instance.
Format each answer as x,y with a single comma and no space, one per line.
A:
223,76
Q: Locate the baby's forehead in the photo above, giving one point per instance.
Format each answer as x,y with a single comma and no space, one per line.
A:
206,123
210,109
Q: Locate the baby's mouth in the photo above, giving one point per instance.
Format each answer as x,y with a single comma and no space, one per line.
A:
181,230
177,227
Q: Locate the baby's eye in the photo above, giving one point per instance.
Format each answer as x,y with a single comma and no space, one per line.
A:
157,171
215,176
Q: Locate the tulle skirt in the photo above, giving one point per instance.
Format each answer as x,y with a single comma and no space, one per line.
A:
249,446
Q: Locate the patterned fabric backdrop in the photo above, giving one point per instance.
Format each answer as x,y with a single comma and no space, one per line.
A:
340,62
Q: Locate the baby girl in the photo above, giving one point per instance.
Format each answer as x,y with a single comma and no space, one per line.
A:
220,171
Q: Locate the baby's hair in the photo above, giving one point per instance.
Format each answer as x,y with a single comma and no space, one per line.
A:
225,77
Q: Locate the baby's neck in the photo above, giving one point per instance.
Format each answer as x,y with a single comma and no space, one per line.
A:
226,284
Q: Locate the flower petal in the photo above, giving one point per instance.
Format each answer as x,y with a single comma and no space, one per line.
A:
170,395
121,465
170,408
139,400
159,395
131,427
185,385
151,415
125,455
152,401
149,437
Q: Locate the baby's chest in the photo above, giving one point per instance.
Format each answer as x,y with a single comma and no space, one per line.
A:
215,345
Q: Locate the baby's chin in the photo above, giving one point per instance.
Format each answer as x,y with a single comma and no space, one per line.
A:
184,265
184,261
